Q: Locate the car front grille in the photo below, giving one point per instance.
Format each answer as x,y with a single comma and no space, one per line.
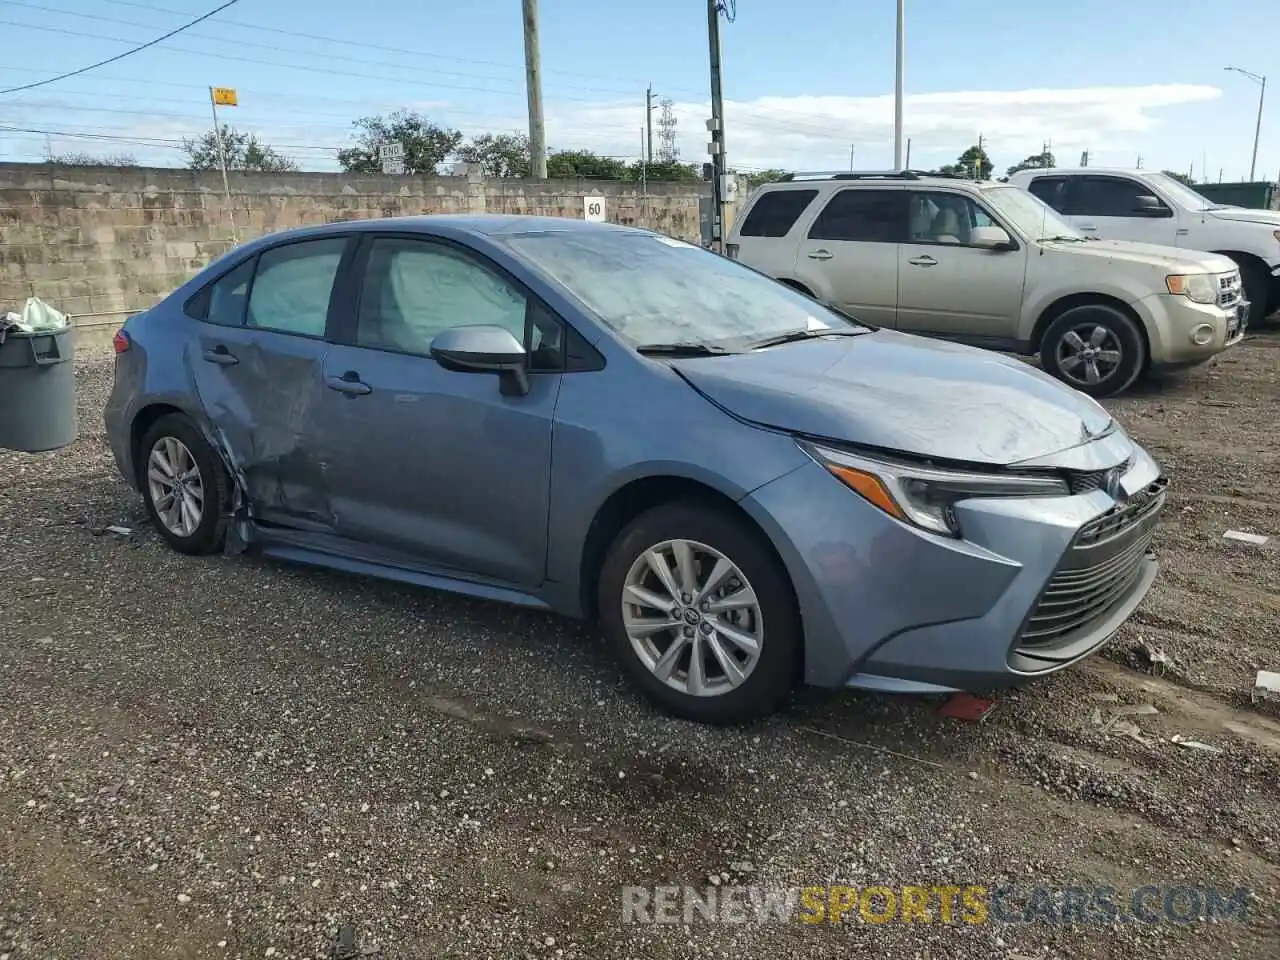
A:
1087,481
1230,289
1104,561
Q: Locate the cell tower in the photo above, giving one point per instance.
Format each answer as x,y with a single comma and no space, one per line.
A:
668,150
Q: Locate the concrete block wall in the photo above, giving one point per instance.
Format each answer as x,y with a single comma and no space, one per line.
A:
100,242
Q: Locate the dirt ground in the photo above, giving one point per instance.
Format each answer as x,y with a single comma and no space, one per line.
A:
230,757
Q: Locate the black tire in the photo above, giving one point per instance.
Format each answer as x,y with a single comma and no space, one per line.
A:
1122,333
1257,290
768,685
210,533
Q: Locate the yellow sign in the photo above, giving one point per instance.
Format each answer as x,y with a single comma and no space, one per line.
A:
225,97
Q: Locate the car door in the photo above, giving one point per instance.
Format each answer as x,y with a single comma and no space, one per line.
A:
849,254
430,466
1108,207
947,286
259,348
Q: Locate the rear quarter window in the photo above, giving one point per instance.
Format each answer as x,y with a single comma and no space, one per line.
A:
775,213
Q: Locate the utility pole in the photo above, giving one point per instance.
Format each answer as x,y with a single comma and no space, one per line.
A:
851,148
1261,81
533,81
897,87
648,121
977,163
716,127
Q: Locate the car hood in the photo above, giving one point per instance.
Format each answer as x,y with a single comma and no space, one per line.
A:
1269,218
902,393
1172,259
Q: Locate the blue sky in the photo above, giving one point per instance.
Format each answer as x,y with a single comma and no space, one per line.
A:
805,81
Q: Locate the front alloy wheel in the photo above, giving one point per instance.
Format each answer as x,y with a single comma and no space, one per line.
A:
699,611
692,618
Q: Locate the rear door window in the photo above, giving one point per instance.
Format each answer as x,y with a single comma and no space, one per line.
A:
865,216
775,212
293,284
223,301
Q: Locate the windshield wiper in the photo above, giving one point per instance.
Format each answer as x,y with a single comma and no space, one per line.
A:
682,350
795,335
1062,237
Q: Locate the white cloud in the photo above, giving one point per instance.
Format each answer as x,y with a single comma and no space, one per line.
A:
815,132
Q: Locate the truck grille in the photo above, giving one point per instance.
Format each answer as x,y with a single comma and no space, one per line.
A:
1230,289
1102,564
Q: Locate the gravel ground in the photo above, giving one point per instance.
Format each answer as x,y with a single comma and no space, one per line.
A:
230,757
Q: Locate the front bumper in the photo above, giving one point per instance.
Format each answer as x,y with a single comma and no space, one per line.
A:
1037,584
1174,323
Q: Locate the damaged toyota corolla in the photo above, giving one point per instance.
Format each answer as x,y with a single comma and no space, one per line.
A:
746,489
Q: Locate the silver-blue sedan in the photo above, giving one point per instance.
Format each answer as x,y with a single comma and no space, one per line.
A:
746,489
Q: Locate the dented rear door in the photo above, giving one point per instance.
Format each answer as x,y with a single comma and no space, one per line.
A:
260,381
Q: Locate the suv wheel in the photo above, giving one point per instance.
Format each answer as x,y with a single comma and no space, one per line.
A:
184,485
1095,348
700,614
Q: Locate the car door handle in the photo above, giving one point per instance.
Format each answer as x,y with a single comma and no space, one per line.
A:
221,356
925,261
1088,226
349,383
819,254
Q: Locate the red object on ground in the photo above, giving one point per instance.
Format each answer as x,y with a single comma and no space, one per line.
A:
120,341
965,706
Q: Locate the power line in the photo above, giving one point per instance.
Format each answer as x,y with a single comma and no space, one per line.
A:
279,49
382,48
121,56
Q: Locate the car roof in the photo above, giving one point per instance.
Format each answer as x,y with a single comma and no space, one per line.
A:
448,225
1049,171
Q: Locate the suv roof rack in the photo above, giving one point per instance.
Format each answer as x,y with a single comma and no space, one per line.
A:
847,175
870,175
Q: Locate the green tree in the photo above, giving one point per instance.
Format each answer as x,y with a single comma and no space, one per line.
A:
973,164
498,154
568,164
665,172
764,176
1180,177
426,144
244,152
1040,161
81,159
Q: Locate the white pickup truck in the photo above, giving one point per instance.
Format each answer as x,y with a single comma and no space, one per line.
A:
1152,207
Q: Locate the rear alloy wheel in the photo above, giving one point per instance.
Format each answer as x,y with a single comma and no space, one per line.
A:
184,485
1095,348
699,612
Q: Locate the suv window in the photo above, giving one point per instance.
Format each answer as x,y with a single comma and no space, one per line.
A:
1108,196
868,216
291,290
775,212
939,217
1052,190
414,289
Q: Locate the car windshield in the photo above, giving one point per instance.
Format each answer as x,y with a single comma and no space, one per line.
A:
1030,215
656,291
1181,194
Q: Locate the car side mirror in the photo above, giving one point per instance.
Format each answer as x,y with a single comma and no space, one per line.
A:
990,238
1149,206
484,348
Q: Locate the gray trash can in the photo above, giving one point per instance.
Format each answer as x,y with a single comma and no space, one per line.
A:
37,390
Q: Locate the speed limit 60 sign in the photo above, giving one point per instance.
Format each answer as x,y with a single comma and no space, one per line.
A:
593,209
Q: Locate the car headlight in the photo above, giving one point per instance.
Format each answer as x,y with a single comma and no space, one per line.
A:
1194,286
924,495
